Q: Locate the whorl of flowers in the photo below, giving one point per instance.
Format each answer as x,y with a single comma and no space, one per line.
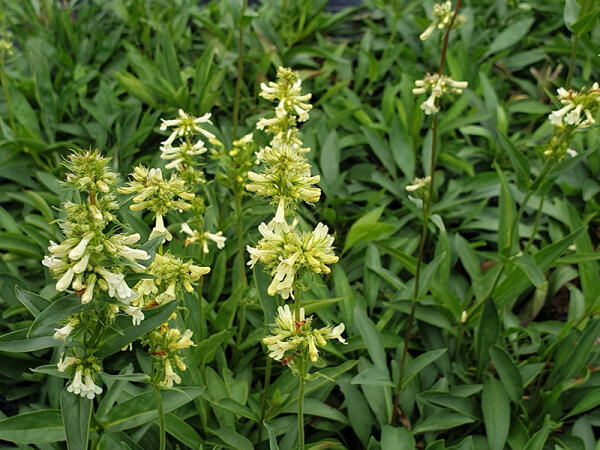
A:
183,154
88,259
202,238
578,111
418,184
287,91
166,344
442,15
294,337
83,373
285,176
171,275
285,251
436,86
157,194
579,108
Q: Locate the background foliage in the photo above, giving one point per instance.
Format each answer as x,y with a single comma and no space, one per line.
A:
519,372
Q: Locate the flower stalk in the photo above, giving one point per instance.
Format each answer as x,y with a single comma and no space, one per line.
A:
426,199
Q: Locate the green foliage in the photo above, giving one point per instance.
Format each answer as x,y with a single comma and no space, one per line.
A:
514,252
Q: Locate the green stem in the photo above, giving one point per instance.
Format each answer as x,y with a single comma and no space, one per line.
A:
301,410
571,62
420,255
446,36
536,224
241,253
161,416
240,68
263,405
536,183
11,116
426,214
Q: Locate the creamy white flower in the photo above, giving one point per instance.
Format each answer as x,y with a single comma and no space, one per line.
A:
58,250
54,263
89,388
418,183
62,333
64,363
312,348
65,281
428,106
136,314
572,153
117,287
88,295
217,238
82,264
134,253
76,385
185,228
170,375
572,118
556,117
425,34
77,251
160,229
185,341
336,333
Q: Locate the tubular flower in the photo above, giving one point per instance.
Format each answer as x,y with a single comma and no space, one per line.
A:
442,14
65,362
436,86
157,194
136,314
203,238
294,336
115,284
579,108
83,382
285,251
62,333
171,277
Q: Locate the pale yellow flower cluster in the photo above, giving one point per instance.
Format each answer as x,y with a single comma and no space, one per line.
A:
293,335
436,85
157,194
285,176
285,251
170,275
442,15
166,344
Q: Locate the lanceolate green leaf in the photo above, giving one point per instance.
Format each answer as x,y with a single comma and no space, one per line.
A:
142,408
76,414
128,332
496,413
35,427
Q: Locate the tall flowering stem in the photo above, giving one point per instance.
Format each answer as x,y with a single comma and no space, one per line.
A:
427,199
288,254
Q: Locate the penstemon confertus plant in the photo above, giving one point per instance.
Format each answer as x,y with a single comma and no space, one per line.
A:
287,253
97,259
90,262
